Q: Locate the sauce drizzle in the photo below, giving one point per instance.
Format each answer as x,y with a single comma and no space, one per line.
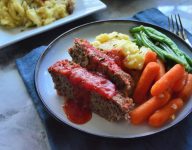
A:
76,113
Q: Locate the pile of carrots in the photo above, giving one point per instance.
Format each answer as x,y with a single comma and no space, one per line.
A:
159,95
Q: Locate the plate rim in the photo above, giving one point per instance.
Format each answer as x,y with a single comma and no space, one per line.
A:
94,23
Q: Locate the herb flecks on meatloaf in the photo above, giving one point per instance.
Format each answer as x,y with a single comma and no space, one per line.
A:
93,59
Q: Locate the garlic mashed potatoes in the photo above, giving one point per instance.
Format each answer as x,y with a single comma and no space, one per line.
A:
29,13
134,56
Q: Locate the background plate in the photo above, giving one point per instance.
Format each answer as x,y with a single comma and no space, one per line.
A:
57,50
82,8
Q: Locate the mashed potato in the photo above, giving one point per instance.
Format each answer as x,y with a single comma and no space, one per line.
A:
14,13
134,56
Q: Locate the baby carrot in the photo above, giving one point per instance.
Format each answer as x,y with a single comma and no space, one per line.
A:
162,69
161,116
179,85
145,110
187,90
150,56
147,77
168,80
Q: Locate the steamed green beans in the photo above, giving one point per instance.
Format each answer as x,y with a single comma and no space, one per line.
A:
166,48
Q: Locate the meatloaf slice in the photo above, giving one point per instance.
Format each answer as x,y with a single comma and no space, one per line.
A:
93,59
73,81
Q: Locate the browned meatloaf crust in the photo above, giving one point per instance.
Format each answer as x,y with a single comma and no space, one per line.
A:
93,59
114,108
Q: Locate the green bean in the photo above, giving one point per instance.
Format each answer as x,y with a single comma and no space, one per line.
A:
161,53
166,48
189,60
155,32
176,59
137,29
138,39
150,45
153,36
156,35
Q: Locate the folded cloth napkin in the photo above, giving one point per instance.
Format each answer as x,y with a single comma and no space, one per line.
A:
62,136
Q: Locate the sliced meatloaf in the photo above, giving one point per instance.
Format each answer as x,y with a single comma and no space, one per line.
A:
93,59
76,83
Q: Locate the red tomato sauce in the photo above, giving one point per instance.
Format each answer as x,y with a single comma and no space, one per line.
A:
92,82
78,110
88,81
84,83
116,55
76,113
101,59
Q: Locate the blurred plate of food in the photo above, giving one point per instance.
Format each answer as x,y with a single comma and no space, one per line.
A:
116,78
22,19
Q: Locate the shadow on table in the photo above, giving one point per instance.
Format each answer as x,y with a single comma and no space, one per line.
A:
77,140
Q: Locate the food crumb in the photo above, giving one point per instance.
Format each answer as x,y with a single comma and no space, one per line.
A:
174,106
173,117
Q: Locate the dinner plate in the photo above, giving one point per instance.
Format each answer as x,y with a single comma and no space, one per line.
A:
58,50
82,8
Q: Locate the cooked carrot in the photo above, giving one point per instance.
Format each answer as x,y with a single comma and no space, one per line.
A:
168,80
179,85
150,56
187,90
162,69
161,116
145,82
145,110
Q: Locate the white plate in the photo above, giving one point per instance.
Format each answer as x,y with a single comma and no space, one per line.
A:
82,8
57,50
